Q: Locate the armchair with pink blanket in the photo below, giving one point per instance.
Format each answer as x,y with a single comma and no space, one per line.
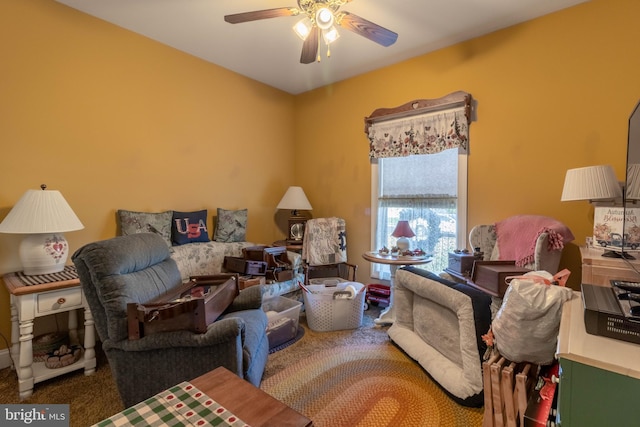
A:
533,241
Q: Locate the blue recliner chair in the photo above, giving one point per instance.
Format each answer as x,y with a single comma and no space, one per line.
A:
138,268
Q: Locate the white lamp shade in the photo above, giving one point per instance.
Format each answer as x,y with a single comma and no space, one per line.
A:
591,183
41,211
295,199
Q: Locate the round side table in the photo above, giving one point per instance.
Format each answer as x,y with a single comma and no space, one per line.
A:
388,315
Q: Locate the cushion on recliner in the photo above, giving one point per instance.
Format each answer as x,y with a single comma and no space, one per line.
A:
254,342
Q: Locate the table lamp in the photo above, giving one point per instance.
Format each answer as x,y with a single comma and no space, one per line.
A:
403,232
43,215
596,184
294,200
591,183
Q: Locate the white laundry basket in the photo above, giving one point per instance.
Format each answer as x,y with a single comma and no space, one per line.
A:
333,308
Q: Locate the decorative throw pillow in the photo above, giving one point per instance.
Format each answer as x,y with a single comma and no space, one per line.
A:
231,226
189,227
146,222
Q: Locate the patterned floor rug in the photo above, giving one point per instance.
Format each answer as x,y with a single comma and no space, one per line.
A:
368,385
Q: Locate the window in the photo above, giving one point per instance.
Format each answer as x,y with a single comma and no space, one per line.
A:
418,154
428,190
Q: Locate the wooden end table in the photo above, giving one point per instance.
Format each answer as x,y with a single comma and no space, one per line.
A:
252,405
29,301
218,397
293,247
388,315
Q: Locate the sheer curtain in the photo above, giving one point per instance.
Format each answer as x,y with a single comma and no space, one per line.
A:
422,189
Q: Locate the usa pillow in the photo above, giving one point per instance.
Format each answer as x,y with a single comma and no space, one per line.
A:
189,227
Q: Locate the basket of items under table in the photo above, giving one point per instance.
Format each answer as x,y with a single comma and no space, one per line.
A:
333,305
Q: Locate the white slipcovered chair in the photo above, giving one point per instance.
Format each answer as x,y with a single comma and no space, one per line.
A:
324,250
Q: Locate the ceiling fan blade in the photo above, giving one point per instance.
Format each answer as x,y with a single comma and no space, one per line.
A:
368,29
238,18
310,47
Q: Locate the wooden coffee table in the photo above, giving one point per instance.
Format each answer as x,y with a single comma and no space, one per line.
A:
249,403
218,397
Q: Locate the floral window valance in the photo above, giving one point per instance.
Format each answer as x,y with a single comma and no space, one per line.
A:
421,130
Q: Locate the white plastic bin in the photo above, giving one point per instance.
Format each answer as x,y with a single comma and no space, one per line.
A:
327,281
333,308
283,315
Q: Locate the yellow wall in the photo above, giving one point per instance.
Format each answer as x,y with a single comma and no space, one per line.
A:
553,94
115,120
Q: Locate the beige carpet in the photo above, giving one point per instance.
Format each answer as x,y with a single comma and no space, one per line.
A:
90,398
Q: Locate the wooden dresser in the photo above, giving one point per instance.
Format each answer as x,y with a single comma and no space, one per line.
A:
599,270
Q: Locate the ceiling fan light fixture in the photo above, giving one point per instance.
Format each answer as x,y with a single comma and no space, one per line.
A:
330,35
324,18
303,28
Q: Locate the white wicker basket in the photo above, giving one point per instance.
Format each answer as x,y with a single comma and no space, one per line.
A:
333,308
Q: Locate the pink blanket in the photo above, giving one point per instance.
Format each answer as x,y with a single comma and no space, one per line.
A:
517,236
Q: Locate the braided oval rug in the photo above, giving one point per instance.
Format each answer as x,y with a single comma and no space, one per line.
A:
372,385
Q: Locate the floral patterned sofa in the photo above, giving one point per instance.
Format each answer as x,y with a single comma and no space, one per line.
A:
193,250
203,258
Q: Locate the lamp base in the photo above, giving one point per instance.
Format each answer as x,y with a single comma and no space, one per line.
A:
402,243
43,253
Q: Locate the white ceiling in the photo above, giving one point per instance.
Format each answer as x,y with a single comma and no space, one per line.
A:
269,51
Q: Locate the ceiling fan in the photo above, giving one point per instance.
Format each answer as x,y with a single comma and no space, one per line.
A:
320,18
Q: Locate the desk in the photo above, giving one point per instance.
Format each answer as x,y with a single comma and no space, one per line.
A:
388,315
599,376
44,299
237,397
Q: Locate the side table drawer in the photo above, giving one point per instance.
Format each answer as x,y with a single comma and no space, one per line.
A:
66,299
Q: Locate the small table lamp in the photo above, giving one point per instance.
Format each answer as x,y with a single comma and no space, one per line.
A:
43,215
403,232
591,183
295,199
595,184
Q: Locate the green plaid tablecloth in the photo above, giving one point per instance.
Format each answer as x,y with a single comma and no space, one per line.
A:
182,405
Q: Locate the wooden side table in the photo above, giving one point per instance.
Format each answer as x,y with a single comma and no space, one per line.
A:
290,246
599,270
252,405
34,296
388,315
